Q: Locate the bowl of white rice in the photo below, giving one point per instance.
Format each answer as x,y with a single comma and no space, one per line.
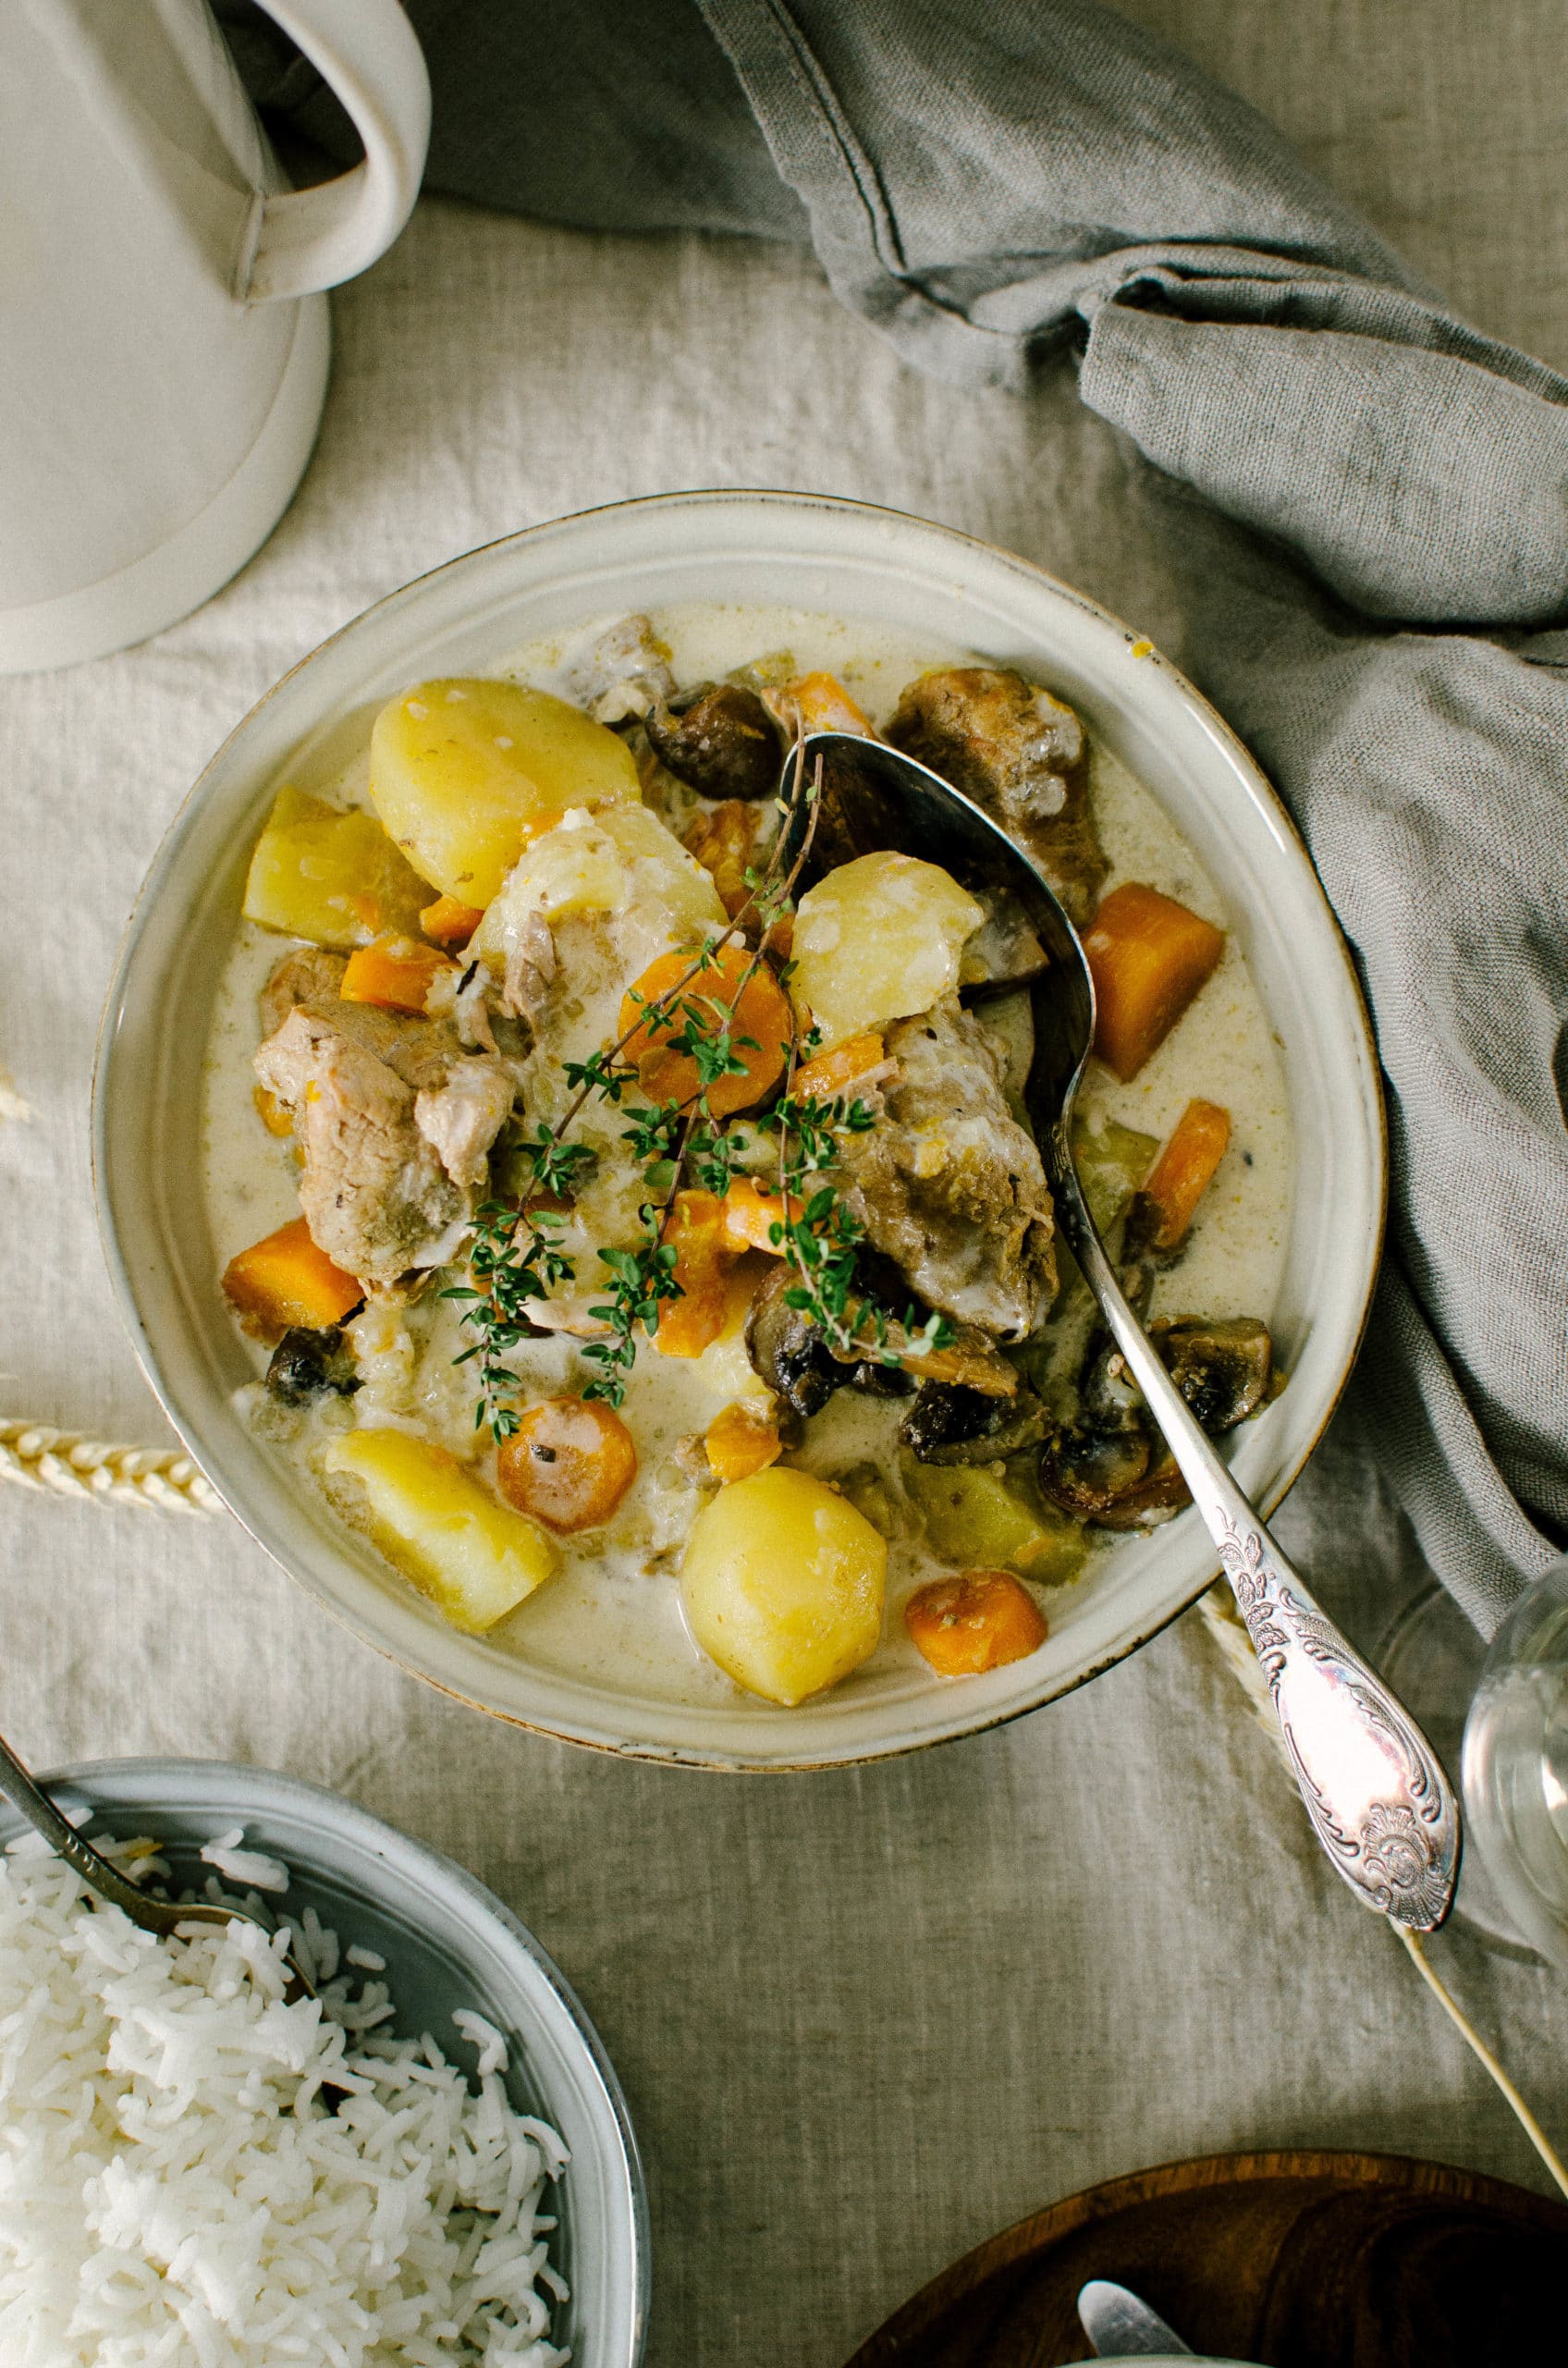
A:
430,2163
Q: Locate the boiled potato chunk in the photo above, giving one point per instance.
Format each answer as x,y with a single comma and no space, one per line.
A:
879,940
332,877
973,1518
605,862
462,771
475,1558
783,1584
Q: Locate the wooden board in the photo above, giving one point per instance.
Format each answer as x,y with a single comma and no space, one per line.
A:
1292,2260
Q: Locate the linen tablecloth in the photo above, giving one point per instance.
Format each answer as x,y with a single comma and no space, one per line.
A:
862,2019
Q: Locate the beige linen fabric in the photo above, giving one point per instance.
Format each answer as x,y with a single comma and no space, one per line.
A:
865,2019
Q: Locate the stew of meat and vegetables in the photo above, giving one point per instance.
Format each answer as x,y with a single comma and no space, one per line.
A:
660,1236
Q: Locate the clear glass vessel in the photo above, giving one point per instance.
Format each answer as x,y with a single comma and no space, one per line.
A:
1515,1765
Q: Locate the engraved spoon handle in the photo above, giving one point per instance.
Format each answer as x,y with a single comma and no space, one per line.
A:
100,1874
1374,1787
97,1871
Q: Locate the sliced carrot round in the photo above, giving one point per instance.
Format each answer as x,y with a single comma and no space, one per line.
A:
975,1621
756,1016
568,1464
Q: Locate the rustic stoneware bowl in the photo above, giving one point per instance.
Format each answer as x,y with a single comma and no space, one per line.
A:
847,560
447,1943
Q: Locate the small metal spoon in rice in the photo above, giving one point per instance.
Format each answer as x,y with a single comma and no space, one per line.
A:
164,1916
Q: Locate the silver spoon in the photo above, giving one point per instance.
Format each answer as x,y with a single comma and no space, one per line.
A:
1373,1787
101,1876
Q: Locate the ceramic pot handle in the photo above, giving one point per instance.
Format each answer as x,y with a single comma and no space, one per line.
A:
307,239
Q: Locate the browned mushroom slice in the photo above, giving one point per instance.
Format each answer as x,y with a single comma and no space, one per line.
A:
1114,1480
951,1425
723,745
788,1351
1018,752
1222,1369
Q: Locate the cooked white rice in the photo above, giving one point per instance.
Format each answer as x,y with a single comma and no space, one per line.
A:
174,2191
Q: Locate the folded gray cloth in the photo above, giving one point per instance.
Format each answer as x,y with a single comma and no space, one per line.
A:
1383,492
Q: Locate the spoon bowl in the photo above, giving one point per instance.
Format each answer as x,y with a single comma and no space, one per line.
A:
1374,1789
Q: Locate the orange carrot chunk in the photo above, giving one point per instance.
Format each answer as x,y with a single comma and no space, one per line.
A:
393,973
1148,957
284,1281
752,1210
822,1079
1182,1174
756,1014
975,1622
742,1440
568,1464
820,702
703,1262
450,922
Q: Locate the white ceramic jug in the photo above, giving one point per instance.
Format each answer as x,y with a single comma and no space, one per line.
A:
164,342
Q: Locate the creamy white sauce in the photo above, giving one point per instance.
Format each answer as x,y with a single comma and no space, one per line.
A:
611,1612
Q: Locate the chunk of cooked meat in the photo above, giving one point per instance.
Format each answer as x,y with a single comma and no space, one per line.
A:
462,1118
381,1106
374,1192
1019,754
307,974
949,1186
948,1424
722,743
621,672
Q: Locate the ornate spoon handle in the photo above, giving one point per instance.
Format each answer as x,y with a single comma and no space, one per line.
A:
1374,1787
95,1871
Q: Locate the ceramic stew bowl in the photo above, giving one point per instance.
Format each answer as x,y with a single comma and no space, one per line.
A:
448,1943
847,560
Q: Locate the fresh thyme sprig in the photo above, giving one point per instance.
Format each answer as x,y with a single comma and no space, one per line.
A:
517,1260
822,1237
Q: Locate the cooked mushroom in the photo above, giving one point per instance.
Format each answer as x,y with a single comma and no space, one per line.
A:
1111,1468
1114,1480
948,1424
1020,755
788,1350
1222,1369
722,744
306,1364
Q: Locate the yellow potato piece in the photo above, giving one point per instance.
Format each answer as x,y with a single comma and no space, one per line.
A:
462,771
783,1583
724,1367
475,1557
332,877
879,940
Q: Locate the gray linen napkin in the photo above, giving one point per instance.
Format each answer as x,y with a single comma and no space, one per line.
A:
1365,501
